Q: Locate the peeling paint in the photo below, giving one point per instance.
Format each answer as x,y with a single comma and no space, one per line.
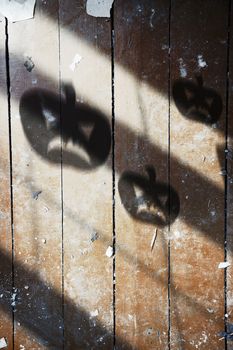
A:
151,18
201,62
94,313
109,252
17,10
76,60
3,343
223,265
183,71
99,8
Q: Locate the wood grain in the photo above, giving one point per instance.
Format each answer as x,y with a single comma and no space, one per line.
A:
87,177
141,117
229,168
155,63
198,51
36,183
6,319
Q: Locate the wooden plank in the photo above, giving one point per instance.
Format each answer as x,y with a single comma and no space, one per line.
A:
198,72
6,320
87,178
141,114
34,66
229,160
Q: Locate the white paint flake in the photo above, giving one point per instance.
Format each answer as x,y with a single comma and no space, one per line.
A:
224,265
3,343
211,311
94,313
17,10
109,252
165,47
151,18
76,60
183,70
99,8
13,297
201,62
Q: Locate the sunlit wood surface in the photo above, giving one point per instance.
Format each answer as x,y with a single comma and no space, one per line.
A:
116,177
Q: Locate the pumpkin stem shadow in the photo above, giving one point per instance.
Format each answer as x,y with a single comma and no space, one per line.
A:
147,200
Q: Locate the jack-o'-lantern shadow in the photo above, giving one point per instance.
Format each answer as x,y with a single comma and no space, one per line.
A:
197,102
148,201
47,116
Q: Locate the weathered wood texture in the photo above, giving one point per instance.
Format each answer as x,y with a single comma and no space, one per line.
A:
36,182
141,139
229,159
162,60
198,49
87,177
6,315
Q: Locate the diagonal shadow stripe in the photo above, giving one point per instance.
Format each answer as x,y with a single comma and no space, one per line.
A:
154,155
199,184
150,153
44,320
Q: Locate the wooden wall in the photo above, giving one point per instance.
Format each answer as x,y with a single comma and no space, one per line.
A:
116,177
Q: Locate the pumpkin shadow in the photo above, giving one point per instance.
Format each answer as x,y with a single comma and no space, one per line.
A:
197,102
146,200
46,117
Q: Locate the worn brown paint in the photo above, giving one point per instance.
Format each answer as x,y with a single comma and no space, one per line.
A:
198,28
141,115
229,157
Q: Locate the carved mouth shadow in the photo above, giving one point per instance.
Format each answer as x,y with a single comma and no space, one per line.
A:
45,116
197,102
148,201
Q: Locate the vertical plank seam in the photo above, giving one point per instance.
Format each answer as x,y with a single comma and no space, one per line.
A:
113,177
226,169
8,83
61,184
169,175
